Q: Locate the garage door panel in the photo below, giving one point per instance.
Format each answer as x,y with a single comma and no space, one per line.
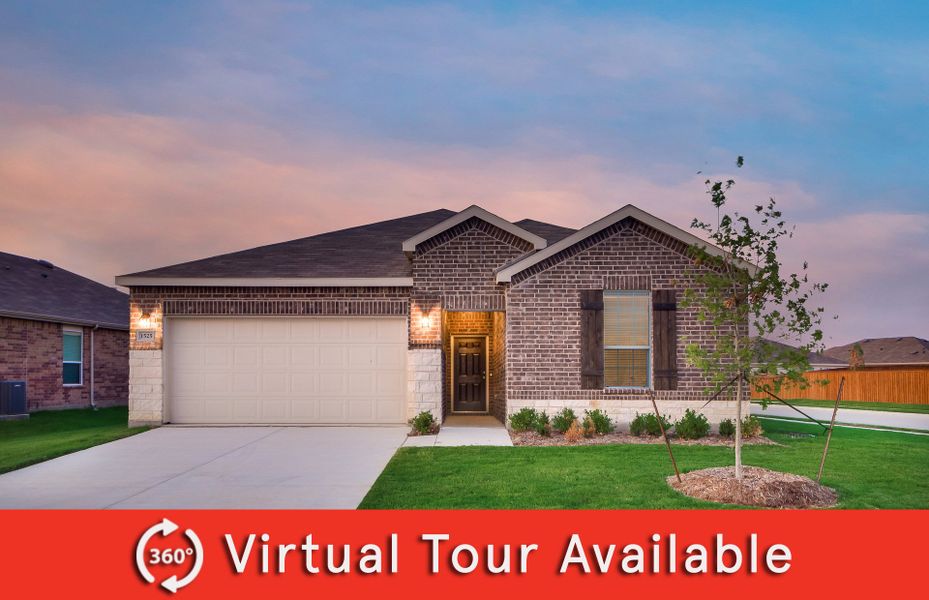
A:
217,330
304,355
217,356
304,384
360,384
246,410
245,330
245,356
216,383
244,383
286,370
390,356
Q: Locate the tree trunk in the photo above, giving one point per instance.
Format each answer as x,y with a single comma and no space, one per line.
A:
738,416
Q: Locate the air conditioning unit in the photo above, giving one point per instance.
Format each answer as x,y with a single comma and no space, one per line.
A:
13,398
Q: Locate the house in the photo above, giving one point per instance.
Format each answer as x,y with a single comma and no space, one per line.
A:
449,312
818,361
64,335
898,351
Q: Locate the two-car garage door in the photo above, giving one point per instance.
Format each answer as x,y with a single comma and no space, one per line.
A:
285,370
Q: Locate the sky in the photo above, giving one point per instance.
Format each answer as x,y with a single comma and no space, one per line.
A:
137,135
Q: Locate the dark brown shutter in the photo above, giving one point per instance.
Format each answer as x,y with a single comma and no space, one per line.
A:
592,339
664,317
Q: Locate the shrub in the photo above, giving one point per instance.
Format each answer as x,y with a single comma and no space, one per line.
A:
563,420
542,426
647,424
589,428
692,426
602,423
524,419
575,432
424,423
751,426
726,428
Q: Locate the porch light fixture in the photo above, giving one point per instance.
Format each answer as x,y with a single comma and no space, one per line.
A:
425,321
145,321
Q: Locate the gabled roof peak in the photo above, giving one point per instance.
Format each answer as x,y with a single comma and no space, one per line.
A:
474,210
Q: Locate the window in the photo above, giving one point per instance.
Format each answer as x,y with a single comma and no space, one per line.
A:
72,352
627,339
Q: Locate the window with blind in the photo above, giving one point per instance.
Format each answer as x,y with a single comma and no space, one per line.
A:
72,354
627,338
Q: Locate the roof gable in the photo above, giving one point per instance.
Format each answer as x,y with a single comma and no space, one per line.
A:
505,274
473,211
38,290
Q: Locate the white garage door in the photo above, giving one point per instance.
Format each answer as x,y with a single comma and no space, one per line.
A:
286,370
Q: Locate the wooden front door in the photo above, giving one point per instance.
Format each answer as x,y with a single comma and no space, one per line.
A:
469,374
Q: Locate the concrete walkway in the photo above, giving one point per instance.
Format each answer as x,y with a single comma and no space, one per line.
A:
874,418
212,467
462,430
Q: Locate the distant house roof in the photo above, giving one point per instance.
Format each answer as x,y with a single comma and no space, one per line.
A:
886,351
816,359
38,290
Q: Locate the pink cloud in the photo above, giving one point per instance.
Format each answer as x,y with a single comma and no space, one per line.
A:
104,194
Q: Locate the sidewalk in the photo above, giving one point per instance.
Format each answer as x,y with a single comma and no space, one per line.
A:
852,416
459,430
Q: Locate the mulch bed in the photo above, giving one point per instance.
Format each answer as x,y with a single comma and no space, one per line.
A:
531,438
758,487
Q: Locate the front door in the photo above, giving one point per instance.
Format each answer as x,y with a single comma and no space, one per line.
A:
469,374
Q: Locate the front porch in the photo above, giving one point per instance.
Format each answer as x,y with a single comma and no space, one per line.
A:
474,362
465,430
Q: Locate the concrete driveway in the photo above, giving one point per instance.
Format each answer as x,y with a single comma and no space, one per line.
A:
212,467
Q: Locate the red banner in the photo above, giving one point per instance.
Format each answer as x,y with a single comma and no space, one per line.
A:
461,554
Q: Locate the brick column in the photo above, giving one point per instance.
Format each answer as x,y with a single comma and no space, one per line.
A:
146,365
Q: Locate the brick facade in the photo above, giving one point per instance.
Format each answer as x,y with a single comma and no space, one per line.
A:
543,366
532,324
32,351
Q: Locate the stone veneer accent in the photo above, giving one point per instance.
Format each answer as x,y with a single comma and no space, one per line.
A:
146,387
424,381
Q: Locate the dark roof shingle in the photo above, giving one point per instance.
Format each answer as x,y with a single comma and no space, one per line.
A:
877,351
31,289
373,250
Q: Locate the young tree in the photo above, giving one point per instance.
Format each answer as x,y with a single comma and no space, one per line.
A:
746,298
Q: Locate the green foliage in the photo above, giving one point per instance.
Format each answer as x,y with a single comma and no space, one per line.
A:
563,419
692,426
751,426
727,428
424,423
746,288
542,425
602,423
524,419
647,424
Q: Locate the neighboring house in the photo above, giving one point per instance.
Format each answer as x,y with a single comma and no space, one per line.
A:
818,360
886,351
64,335
440,311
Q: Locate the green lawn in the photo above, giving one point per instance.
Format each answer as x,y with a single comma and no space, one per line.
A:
908,408
50,434
869,469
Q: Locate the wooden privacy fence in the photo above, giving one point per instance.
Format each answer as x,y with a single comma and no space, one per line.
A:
903,384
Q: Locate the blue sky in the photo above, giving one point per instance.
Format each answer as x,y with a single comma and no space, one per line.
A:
136,135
